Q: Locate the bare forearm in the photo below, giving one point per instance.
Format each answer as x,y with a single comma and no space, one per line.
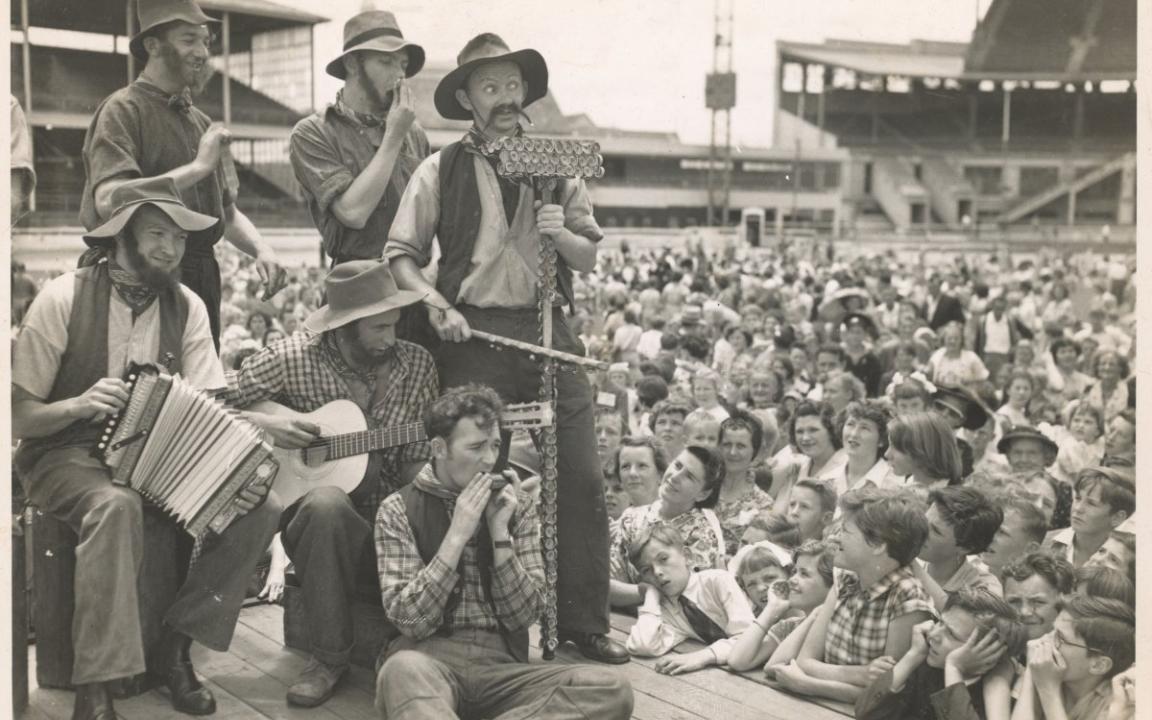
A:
35,419
578,251
242,234
409,277
831,689
357,203
855,675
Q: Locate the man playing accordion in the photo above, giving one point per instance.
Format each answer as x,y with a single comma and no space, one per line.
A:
80,334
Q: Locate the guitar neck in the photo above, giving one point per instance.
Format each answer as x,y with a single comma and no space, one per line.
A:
366,441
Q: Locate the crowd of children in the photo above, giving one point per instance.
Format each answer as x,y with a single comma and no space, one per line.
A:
925,519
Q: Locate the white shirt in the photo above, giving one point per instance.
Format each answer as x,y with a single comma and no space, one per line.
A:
658,630
997,336
40,346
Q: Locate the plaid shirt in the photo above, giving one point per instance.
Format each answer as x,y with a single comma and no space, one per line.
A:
306,372
414,594
858,629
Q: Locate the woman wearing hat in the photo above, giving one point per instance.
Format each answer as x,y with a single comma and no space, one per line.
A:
855,329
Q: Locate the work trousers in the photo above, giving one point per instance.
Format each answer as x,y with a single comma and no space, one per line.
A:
470,674
77,489
331,546
582,517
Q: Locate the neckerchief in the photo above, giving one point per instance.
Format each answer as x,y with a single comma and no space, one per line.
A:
181,102
370,126
475,141
134,293
332,348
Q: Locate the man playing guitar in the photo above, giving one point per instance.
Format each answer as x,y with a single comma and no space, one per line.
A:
327,532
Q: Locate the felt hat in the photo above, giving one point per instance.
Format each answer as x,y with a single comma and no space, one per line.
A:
1023,432
486,48
359,289
963,403
159,192
375,30
157,12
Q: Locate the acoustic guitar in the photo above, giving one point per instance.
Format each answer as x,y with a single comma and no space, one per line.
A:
338,457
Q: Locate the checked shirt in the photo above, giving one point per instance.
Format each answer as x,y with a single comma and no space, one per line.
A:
306,372
415,595
858,630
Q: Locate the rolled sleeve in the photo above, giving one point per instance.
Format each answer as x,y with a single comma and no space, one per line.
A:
317,166
42,338
417,215
578,211
414,595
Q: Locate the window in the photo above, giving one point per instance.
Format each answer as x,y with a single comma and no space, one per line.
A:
1035,180
986,180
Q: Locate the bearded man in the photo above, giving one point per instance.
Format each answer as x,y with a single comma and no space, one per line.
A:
79,336
151,129
354,158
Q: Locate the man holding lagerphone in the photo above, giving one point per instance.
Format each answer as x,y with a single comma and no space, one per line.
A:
354,157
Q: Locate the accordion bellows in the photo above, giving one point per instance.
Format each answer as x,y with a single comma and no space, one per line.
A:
184,451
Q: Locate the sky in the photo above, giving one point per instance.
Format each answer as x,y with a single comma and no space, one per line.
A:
640,64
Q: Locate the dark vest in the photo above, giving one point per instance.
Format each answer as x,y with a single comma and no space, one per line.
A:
85,358
429,520
460,224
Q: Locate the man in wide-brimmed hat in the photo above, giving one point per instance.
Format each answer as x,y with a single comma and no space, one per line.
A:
151,128
489,229
354,157
79,336
353,355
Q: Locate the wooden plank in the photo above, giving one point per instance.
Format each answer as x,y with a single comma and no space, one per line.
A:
262,692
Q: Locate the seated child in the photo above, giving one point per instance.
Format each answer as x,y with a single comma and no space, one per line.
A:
961,521
772,527
958,667
701,428
785,607
1070,671
868,621
1105,582
1033,586
1022,531
756,567
681,604
811,506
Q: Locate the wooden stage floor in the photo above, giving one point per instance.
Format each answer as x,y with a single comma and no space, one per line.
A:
250,681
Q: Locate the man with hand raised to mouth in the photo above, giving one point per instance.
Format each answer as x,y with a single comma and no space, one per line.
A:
489,229
354,157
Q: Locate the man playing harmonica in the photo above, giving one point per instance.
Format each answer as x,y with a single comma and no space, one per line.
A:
80,334
489,231
462,579
354,157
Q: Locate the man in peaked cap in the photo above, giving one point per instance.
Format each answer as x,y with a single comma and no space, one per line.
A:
80,334
327,533
489,229
354,157
151,128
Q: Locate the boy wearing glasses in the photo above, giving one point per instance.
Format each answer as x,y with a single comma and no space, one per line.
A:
1071,670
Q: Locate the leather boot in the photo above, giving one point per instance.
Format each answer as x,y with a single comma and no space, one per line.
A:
596,646
93,702
174,669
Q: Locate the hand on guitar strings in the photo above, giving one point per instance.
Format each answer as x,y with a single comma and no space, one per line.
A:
286,432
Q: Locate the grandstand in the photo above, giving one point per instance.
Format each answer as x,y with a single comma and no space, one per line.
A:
60,88
1032,122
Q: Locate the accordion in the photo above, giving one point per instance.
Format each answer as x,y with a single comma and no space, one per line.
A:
184,451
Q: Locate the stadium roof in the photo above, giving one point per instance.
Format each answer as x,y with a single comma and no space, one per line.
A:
108,17
1056,39
919,59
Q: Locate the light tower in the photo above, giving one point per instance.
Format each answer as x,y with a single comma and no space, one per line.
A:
720,98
